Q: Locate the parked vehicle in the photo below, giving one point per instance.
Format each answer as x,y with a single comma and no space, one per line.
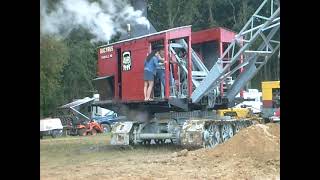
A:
50,127
108,120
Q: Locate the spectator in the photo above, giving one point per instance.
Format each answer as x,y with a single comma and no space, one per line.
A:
150,65
161,71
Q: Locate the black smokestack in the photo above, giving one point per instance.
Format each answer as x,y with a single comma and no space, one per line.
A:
136,29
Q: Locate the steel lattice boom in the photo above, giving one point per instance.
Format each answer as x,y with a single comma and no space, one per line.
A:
255,43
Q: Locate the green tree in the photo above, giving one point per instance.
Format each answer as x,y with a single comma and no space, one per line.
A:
54,55
165,14
81,67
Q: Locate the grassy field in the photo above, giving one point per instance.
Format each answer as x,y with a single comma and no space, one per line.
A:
66,153
65,150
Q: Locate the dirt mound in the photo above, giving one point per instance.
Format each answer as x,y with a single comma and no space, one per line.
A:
252,153
256,140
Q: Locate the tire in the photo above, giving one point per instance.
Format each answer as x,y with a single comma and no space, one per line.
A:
106,128
82,132
56,133
53,134
93,132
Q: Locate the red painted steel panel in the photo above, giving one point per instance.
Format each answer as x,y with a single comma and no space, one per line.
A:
213,34
132,80
107,65
179,33
166,63
226,35
207,35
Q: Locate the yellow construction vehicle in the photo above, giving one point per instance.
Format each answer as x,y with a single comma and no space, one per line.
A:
241,113
271,100
236,112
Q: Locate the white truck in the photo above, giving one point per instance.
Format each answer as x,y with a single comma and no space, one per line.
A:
50,127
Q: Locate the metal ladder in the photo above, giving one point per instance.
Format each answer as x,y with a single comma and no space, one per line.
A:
261,28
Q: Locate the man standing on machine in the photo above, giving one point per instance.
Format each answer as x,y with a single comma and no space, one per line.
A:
161,73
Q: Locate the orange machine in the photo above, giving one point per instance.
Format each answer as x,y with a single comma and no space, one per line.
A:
77,123
91,128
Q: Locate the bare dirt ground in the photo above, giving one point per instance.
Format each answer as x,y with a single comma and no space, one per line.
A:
253,153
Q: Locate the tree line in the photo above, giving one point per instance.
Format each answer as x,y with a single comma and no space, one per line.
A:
67,66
